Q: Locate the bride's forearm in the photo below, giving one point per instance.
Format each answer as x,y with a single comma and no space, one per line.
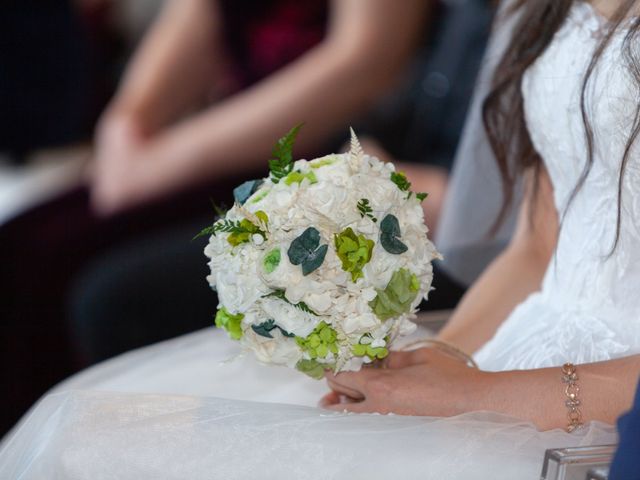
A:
606,392
510,279
513,276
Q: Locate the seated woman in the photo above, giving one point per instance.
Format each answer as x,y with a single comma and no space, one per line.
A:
269,64
552,322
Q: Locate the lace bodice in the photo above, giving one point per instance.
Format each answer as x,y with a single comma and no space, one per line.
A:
589,306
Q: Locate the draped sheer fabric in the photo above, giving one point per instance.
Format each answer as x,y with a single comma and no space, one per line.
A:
97,435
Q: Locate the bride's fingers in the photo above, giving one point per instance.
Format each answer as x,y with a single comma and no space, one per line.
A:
334,398
330,398
354,384
340,388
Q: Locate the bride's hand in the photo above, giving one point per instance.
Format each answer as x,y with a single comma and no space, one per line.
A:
420,382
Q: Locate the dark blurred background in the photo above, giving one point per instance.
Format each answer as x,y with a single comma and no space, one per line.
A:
89,268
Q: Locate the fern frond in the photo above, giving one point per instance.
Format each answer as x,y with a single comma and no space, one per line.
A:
205,232
355,152
279,294
220,226
281,163
400,179
228,226
365,209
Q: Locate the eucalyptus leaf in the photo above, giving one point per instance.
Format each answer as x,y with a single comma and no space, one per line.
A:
265,329
307,252
242,192
315,260
389,235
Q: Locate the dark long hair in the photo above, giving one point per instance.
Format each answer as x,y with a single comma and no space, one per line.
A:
503,111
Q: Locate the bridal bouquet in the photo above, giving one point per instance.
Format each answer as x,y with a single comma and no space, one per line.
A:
321,265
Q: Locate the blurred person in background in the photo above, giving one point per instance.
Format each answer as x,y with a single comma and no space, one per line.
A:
213,85
153,288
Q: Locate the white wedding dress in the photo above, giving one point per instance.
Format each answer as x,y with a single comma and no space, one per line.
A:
186,409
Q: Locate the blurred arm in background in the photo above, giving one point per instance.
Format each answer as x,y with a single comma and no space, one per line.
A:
147,147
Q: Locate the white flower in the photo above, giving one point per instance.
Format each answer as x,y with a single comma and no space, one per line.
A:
331,204
319,303
278,350
360,324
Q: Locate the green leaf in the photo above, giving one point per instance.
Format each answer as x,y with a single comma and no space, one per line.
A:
259,195
298,177
377,352
323,162
231,323
360,350
264,218
220,226
221,211
205,232
389,235
312,368
271,260
265,329
240,231
301,305
281,163
365,209
400,179
398,295
243,232
242,192
320,342
354,251
314,261
307,252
